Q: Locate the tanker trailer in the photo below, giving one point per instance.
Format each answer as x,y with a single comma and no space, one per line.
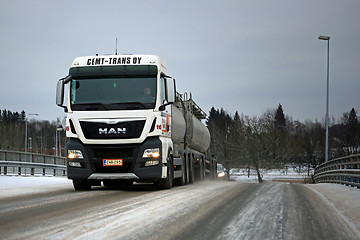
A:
193,141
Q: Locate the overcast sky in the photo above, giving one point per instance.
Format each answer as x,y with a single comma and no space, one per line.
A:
246,56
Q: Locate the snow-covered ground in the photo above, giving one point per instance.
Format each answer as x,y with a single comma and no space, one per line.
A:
290,174
21,185
27,181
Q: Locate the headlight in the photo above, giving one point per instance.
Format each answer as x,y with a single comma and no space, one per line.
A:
221,174
72,154
151,153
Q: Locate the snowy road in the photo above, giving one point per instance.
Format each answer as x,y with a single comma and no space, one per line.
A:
206,210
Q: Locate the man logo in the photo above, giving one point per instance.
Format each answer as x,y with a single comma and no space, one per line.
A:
106,131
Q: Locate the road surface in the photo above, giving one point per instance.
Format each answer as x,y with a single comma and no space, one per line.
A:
206,210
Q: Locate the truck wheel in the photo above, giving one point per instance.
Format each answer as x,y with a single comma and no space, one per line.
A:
202,170
187,171
167,183
191,171
82,185
181,181
199,172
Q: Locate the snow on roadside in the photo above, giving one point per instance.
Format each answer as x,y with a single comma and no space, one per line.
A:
27,181
241,175
11,186
344,199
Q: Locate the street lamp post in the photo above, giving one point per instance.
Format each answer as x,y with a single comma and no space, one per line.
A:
26,131
327,38
58,143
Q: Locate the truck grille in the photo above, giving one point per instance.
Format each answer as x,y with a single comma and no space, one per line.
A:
121,130
113,153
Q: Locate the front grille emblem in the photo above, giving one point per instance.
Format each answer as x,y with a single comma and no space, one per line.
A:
106,131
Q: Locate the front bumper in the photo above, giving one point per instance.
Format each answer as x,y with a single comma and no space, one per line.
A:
91,165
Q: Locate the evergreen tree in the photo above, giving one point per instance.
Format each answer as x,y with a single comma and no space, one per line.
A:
280,121
219,124
351,133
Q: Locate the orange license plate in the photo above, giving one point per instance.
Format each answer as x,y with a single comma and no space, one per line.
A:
112,162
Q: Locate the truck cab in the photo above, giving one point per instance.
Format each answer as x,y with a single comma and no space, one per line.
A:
118,119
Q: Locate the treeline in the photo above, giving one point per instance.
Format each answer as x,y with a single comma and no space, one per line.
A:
41,135
274,140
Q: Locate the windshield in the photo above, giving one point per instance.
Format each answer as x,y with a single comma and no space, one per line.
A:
113,93
220,167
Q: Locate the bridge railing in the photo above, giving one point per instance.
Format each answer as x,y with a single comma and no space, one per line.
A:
14,162
344,170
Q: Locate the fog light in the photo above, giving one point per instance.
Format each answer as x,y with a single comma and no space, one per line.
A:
72,154
151,163
221,174
74,164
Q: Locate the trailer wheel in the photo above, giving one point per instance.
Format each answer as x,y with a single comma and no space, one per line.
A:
81,185
191,170
187,171
167,183
200,171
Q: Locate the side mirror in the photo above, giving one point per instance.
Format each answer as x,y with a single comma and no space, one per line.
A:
60,93
170,90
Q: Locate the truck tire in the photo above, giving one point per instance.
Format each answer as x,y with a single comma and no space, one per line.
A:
181,181
167,183
200,171
187,171
81,184
191,171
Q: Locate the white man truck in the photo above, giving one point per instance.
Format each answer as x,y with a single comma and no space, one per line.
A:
126,122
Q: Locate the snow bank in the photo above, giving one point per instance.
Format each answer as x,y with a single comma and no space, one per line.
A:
26,181
344,199
11,186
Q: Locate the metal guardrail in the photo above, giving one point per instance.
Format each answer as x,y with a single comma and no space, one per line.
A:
21,167
13,162
6,155
344,170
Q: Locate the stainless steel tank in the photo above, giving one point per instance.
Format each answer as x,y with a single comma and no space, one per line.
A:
178,125
196,133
